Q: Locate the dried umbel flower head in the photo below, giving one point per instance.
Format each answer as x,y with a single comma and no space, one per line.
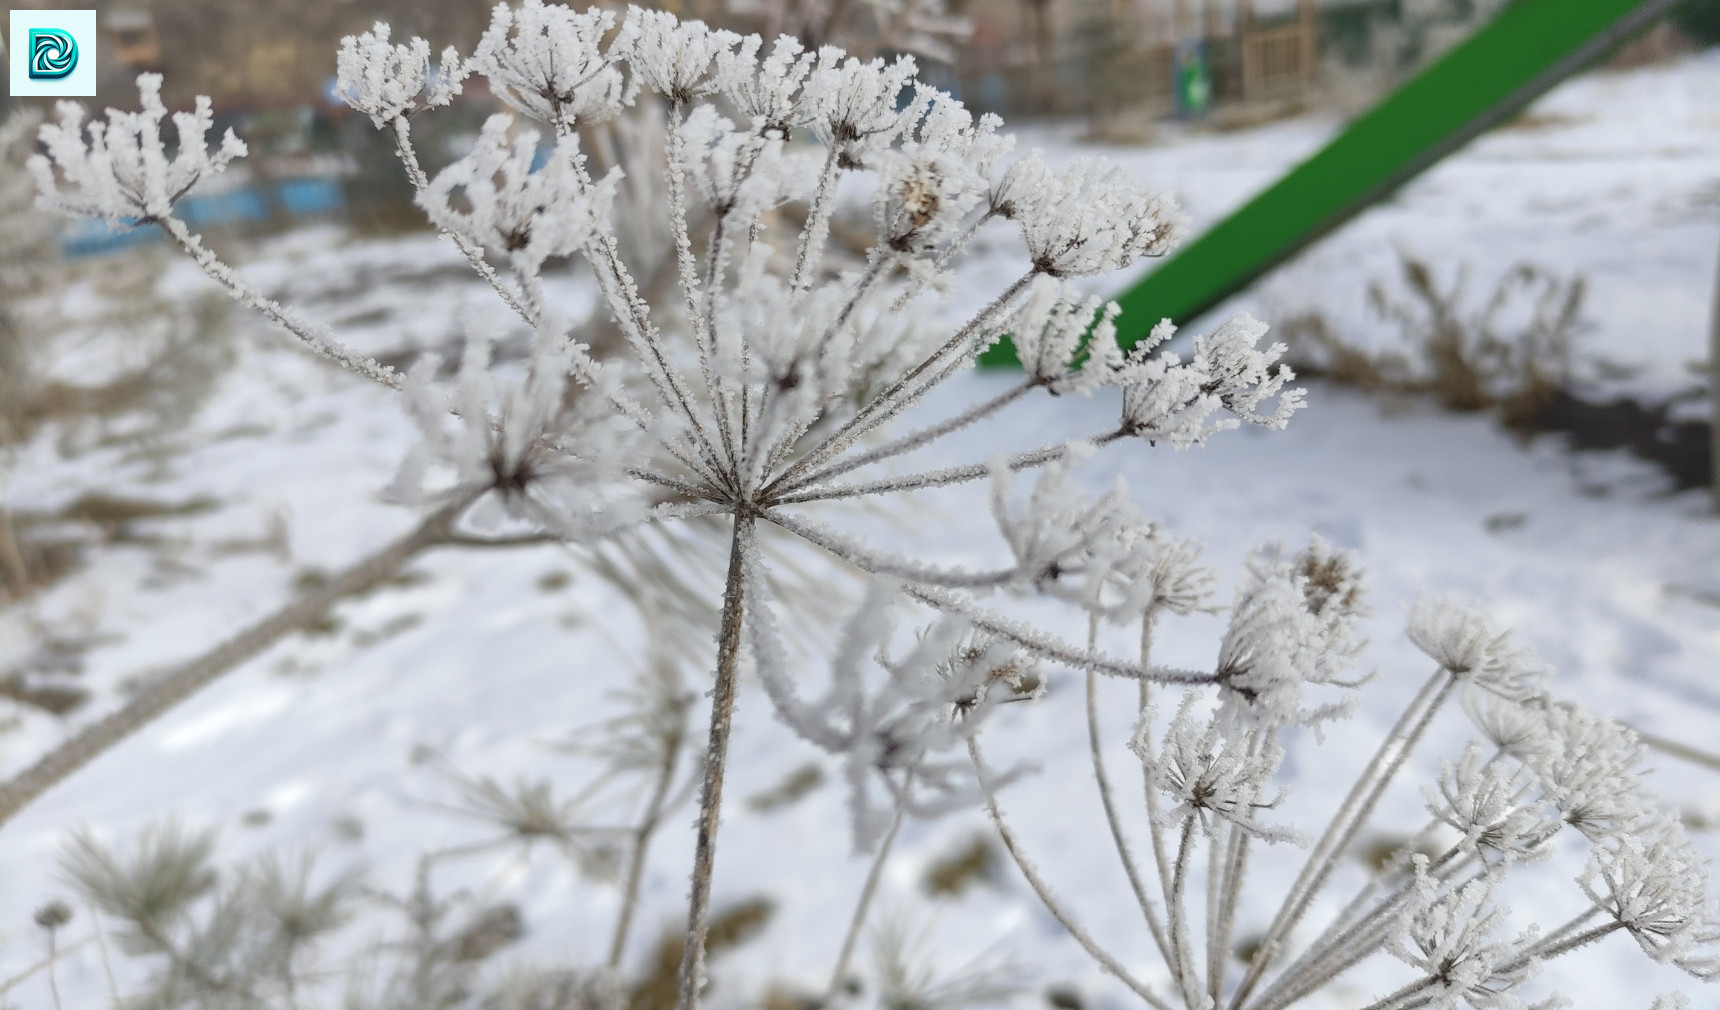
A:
1654,885
548,62
1515,728
1286,632
1464,640
1446,934
1167,399
1491,808
892,719
53,915
1210,775
389,82
1589,768
118,168
506,202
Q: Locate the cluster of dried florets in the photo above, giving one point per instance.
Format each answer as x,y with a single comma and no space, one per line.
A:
118,168
1546,766
762,388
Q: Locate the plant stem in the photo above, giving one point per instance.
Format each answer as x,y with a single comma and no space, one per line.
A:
53,981
11,558
175,686
642,842
1182,958
1118,838
8,984
107,963
1351,815
716,758
860,909
1013,846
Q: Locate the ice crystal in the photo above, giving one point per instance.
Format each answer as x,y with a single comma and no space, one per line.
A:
547,61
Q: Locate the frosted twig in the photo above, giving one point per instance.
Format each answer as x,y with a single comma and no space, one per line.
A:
1051,648
817,227
169,689
1046,898
45,964
316,336
839,972
856,427
474,255
716,762
1029,460
918,439
1112,820
884,563
1351,815
655,807
1182,957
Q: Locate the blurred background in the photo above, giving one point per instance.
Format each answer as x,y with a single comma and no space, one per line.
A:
1119,67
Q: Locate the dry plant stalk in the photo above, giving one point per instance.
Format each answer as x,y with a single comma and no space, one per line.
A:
1512,355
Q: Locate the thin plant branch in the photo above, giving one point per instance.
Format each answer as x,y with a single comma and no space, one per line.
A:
173,687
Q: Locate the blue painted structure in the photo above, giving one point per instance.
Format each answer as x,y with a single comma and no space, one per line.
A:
293,198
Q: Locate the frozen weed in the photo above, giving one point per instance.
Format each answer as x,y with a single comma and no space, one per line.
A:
754,397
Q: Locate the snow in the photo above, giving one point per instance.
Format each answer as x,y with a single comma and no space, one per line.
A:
1612,176
1613,581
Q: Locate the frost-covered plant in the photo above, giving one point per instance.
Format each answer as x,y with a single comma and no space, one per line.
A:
25,242
247,938
26,236
1504,805
276,930
761,392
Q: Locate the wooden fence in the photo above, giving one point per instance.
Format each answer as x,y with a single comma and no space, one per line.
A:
1249,61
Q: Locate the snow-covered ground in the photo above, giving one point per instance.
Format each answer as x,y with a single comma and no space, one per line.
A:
1613,176
318,744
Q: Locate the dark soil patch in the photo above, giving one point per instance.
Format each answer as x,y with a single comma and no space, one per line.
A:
1678,448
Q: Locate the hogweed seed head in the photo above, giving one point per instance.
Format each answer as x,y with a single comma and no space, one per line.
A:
547,61
117,168
1485,804
1445,933
1654,885
388,82
1588,767
1210,775
1464,641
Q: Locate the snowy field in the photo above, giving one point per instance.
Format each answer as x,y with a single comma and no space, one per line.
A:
493,661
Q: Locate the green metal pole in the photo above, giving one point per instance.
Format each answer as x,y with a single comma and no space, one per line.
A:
1529,47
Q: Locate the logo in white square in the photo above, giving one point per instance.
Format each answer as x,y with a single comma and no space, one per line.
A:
52,53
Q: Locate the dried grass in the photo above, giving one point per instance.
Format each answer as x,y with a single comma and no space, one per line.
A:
1511,356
